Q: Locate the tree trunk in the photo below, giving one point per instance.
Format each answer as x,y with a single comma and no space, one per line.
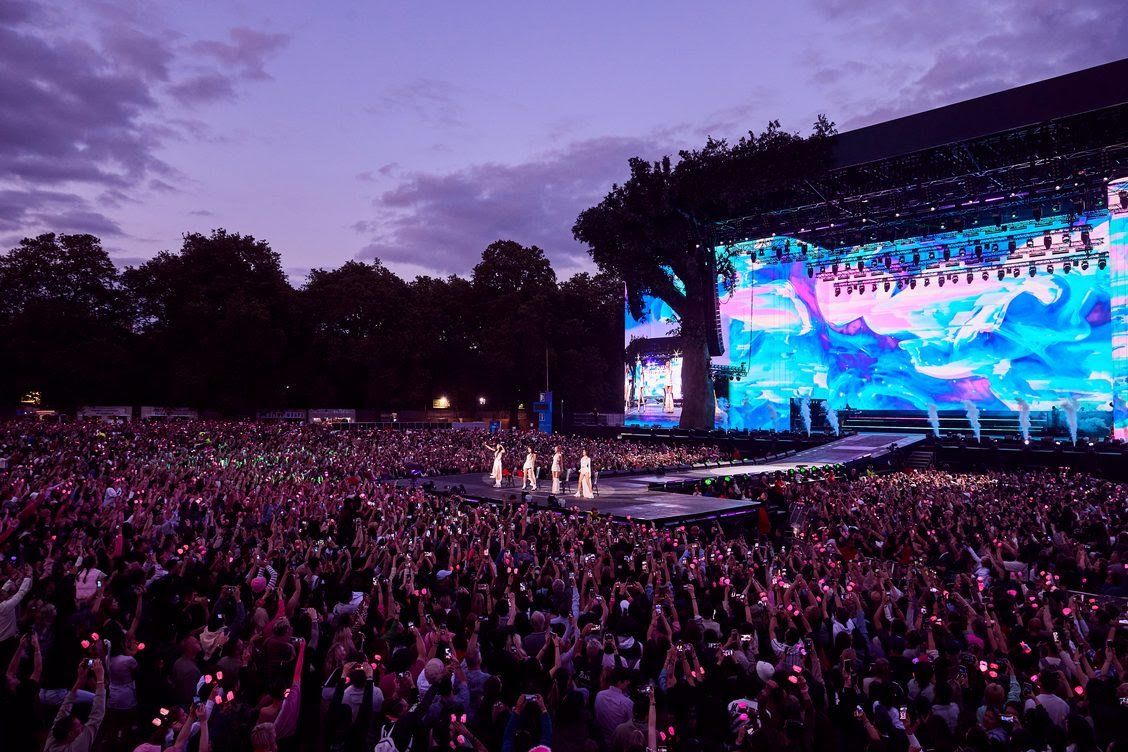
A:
698,398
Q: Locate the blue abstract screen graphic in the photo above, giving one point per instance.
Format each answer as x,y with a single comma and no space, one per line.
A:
1033,327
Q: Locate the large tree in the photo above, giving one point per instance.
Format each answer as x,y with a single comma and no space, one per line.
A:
655,232
63,323
587,340
516,292
215,318
353,334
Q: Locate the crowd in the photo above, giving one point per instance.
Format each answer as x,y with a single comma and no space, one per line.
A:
232,586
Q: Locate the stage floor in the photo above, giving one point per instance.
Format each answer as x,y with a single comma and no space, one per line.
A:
631,496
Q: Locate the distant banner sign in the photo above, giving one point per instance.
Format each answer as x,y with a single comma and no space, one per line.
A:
281,414
332,415
124,412
149,412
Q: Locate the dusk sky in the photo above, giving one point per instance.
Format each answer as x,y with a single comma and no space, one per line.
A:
420,132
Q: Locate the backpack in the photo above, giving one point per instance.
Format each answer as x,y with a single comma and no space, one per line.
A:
386,744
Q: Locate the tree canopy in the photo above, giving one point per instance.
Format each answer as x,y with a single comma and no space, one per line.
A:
654,231
216,324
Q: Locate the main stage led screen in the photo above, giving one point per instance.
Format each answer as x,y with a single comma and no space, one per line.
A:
1044,340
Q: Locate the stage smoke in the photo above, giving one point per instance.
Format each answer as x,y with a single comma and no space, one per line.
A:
805,413
832,419
1071,406
1024,418
934,420
972,417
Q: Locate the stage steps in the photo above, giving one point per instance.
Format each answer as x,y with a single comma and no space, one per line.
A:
921,459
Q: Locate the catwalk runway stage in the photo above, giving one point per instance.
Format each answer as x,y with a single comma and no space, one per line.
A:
641,496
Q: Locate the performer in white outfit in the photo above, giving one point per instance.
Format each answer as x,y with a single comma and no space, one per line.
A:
530,469
495,472
668,403
583,487
557,468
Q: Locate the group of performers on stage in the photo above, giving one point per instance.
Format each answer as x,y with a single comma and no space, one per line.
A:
529,470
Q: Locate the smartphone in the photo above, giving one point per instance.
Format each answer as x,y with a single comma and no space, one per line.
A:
858,712
903,714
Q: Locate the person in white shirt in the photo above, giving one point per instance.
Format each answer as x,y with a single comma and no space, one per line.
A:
10,597
557,468
583,486
530,469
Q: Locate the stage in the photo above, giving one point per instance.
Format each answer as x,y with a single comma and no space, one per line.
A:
641,496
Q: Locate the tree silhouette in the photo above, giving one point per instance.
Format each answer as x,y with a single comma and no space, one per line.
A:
655,232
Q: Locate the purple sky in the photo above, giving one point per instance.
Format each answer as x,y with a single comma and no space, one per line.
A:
420,132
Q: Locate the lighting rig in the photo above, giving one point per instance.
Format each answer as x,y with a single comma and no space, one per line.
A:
992,183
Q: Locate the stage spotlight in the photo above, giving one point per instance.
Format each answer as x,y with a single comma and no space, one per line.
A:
970,277
837,291
861,265
1085,239
912,283
1101,264
1084,266
1033,270
1049,268
810,271
978,252
834,268
947,254
1123,195
1015,272
931,255
873,287
888,261
1011,245
1047,240
886,285
941,281
1065,267
822,270
984,275
994,248
1001,274
1030,242
916,258
1067,238
927,281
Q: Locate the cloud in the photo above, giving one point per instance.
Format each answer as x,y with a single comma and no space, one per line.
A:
203,88
245,52
427,100
924,55
443,221
58,211
85,113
